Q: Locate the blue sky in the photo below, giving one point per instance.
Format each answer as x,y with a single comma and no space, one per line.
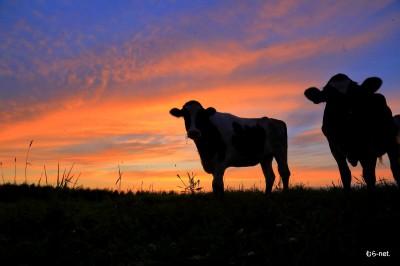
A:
91,82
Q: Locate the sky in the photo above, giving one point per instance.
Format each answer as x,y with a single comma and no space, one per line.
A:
92,83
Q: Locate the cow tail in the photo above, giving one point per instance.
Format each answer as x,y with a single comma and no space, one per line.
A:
286,134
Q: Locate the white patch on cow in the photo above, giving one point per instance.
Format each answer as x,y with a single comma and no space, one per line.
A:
223,121
341,86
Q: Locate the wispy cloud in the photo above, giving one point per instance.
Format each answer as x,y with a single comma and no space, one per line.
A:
96,88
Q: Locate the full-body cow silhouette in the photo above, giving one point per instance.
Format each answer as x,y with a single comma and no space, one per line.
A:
224,140
358,125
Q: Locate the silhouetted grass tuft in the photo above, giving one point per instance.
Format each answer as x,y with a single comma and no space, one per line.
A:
193,185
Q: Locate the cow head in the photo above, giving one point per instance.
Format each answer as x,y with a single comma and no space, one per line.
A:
195,116
341,87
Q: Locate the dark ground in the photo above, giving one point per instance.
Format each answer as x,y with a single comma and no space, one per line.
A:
53,226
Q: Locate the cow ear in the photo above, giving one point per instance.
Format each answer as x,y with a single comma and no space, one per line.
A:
372,84
314,95
210,111
176,112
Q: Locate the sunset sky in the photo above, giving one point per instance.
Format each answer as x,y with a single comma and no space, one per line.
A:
92,82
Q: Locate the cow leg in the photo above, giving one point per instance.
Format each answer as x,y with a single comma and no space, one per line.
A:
283,169
268,172
344,170
394,159
369,164
218,181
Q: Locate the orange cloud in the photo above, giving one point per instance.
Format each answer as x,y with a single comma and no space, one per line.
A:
108,104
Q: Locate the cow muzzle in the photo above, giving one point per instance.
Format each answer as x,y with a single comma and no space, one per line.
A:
194,134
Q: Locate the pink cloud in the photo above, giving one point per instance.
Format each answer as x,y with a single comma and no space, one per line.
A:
107,103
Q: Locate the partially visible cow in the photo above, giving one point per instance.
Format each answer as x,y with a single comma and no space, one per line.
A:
358,125
224,140
397,123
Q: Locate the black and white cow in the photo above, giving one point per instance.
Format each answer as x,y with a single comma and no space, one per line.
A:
224,140
358,125
397,123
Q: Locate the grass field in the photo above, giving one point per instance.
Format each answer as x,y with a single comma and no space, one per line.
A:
56,226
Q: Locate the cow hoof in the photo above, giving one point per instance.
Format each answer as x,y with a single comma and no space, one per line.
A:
219,193
347,188
371,189
218,188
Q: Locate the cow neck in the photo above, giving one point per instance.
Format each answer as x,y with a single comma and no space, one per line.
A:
210,144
